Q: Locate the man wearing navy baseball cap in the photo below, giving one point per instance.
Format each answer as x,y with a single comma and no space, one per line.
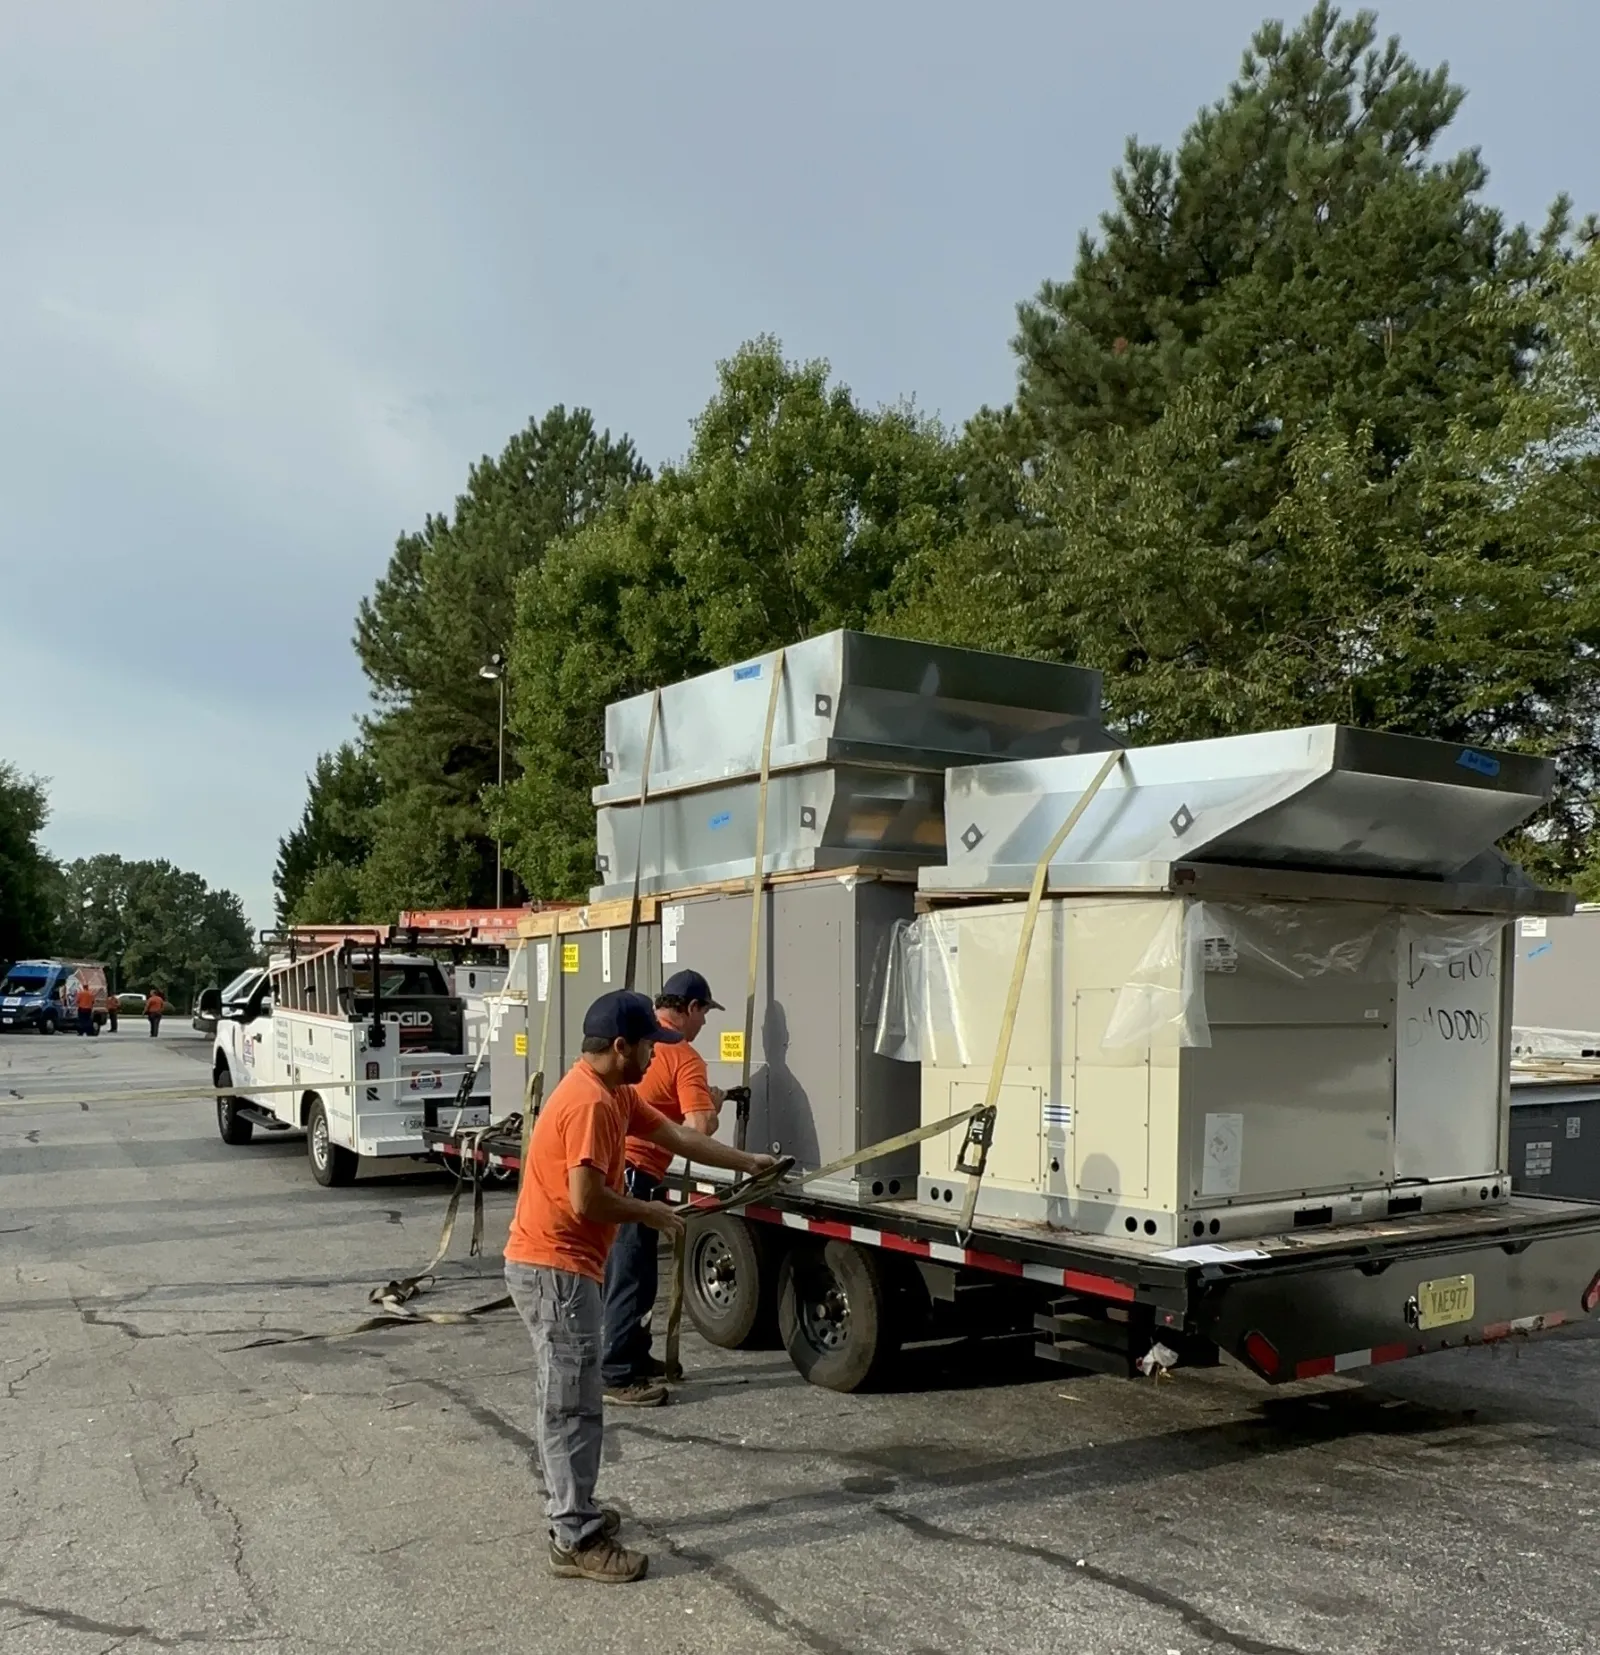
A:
568,1209
676,1085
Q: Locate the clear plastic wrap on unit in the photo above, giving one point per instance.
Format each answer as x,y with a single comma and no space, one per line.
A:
919,1010
1161,1002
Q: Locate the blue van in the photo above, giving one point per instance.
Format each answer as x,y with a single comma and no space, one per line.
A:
43,994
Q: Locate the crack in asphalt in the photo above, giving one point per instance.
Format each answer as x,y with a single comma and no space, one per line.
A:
70,1620
765,1608
1195,1618
28,1372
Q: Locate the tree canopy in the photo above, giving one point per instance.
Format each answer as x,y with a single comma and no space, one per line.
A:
794,512
1307,434
153,924
25,871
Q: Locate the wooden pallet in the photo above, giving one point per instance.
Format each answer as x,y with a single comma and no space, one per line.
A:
602,916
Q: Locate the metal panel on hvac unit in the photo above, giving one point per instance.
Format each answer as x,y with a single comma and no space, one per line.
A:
1555,1138
827,817
1324,798
818,1090
1557,984
849,698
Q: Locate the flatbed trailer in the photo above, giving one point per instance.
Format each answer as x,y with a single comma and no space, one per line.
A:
844,1286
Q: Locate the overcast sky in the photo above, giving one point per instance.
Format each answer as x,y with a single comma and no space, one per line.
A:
276,272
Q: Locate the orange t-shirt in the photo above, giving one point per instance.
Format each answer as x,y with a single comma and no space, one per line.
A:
675,1085
583,1123
85,999
155,1005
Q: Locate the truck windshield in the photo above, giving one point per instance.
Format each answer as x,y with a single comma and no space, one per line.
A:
24,982
402,982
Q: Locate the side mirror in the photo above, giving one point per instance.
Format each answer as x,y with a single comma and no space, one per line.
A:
210,1003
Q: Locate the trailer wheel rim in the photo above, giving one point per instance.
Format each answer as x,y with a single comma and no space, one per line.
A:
319,1139
716,1272
824,1312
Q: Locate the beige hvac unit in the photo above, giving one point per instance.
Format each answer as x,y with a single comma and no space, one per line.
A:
1310,1029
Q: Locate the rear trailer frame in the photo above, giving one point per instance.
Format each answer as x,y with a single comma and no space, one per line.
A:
845,1286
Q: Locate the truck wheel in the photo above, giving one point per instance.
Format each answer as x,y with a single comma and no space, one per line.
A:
234,1128
47,1023
330,1163
837,1315
730,1282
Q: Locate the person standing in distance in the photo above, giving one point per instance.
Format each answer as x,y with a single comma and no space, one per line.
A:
677,1086
113,1006
85,1004
568,1209
153,1007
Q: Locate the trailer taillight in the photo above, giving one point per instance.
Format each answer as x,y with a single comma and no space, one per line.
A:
1258,1348
1591,1294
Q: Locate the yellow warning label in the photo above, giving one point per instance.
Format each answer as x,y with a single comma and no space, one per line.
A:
569,957
521,1045
730,1048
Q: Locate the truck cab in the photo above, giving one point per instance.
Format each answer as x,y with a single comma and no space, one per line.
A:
359,1045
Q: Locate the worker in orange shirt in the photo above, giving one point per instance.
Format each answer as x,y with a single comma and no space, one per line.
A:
676,1085
568,1209
85,1007
113,1007
155,1003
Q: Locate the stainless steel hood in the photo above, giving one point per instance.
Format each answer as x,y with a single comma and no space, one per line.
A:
853,698
1325,799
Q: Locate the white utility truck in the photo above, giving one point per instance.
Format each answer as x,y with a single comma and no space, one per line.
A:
359,1044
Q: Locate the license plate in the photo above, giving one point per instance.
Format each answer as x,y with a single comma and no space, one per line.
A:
5,1020
1444,1302
413,1123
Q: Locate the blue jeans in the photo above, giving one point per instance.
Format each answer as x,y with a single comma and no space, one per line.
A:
85,1022
631,1279
562,1313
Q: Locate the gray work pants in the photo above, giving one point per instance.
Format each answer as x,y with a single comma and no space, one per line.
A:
564,1316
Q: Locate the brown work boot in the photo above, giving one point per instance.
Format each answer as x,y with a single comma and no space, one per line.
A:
637,1393
600,1559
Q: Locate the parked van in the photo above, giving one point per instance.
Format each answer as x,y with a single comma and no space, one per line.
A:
43,994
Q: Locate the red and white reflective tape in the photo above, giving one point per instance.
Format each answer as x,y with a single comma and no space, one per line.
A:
1315,1367
1318,1366
1077,1281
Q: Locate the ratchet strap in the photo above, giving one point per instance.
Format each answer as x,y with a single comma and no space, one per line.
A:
975,1151
631,967
762,1185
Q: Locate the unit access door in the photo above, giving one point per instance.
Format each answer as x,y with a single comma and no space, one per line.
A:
1449,1058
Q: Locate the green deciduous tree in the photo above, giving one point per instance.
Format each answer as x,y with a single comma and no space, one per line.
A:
25,871
154,924
795,511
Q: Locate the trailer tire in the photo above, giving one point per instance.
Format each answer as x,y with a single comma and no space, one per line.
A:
231,1125
838,1315
730,1289
331,1163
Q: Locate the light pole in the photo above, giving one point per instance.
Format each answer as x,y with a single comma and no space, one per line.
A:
496,670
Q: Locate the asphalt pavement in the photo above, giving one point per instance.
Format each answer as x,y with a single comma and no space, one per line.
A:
162,1486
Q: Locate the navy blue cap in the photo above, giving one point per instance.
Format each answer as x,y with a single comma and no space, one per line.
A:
624,1015
690,986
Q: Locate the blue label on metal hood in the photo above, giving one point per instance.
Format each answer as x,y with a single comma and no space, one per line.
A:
1471,759
751,671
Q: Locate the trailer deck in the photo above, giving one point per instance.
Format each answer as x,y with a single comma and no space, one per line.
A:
1289,1306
